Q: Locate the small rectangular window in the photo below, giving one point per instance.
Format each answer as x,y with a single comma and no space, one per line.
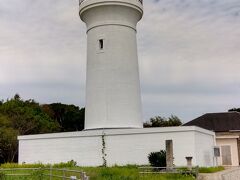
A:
101,44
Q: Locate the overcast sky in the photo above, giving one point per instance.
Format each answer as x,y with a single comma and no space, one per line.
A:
189,54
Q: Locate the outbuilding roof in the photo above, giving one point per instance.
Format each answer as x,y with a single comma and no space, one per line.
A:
218,122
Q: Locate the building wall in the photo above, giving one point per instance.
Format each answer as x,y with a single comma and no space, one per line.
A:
136,147
85,150
205,155
123,146
232,142
233,133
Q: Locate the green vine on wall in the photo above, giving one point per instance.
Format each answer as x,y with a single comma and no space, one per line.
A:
104,151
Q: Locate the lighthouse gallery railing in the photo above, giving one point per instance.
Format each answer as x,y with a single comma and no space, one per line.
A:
80,1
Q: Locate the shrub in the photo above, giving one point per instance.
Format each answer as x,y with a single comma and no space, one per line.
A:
157,159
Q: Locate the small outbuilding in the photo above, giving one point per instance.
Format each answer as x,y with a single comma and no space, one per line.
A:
226,125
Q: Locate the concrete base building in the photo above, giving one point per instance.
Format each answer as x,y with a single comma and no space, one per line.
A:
118,147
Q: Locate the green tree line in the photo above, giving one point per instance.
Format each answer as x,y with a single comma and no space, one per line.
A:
234,110
159,121
24,117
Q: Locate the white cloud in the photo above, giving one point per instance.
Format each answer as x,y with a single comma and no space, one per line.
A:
188,54
190,49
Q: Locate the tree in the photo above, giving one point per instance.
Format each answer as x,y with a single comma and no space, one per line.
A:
24,117
69,117
17,97
174,121
19,117
27,117
8,140
8,145
234,109
159,121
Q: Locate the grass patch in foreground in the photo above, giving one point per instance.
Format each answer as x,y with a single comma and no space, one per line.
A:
128,173
210,169
95,173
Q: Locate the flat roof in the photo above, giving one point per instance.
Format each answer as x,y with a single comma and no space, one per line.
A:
113,132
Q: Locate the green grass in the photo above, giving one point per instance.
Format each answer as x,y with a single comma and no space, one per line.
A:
16,165
210,169
95,173
129,173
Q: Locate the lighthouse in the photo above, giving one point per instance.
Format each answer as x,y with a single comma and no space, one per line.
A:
113,97
113,124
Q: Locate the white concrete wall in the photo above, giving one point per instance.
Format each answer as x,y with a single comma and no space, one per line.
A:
136,147
123,146
204,157
112,87
232,142
85,150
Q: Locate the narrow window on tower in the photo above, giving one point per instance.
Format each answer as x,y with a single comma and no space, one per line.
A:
101,44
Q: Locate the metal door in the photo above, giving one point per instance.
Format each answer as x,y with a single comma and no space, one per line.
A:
226,155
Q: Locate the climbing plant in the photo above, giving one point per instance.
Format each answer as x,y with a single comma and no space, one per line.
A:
104,151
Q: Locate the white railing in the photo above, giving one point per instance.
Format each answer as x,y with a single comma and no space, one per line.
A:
169,170
51,173
80,1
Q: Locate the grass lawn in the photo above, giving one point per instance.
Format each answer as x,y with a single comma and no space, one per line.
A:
210,169
129,173
112,173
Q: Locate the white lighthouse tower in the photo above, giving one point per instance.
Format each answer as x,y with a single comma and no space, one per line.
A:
112,88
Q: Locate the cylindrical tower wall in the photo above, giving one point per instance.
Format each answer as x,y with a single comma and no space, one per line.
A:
112,87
